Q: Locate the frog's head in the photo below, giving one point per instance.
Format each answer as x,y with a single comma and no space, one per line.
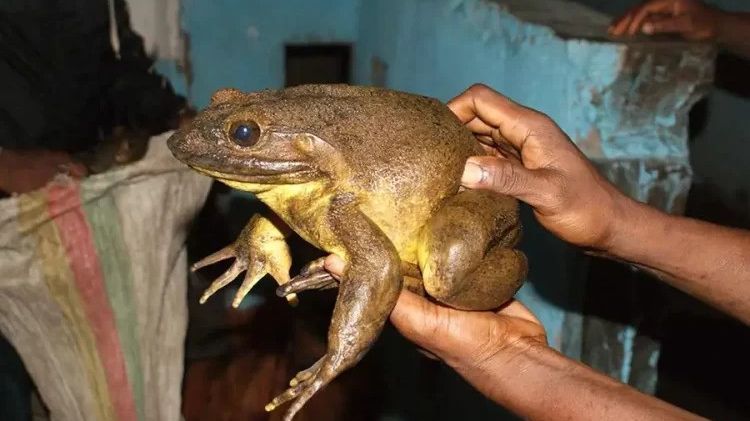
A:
254,142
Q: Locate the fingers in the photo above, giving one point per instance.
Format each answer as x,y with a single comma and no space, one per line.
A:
620,25
453,335
672,25
650,8
505,176
488,113
630,23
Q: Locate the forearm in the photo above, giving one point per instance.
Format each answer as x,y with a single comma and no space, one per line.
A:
541,384
734,33
707,261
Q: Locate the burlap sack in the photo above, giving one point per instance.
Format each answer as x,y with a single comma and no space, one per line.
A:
93,287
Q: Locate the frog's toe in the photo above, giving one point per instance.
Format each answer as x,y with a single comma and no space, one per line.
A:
305,375
315,280
253,275
316,265
223,254
313,379
224,279
285,397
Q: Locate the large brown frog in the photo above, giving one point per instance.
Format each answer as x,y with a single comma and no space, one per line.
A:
371,175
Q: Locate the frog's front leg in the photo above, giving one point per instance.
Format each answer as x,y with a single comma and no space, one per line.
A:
368,291
260,249
467,252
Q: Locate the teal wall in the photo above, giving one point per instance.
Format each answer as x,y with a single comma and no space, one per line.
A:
719,153
239,43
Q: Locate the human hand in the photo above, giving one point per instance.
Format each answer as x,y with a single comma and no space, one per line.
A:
24,171
691,19
465,340
538,164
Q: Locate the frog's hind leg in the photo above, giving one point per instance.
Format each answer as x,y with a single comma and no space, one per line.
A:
369,287
466,251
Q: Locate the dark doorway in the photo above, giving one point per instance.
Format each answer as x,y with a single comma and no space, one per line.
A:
317,63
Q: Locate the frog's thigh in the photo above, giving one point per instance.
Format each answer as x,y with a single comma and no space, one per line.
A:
466,252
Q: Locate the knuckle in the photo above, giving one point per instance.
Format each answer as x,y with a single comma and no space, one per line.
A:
504,177
478,88
554,196
541,121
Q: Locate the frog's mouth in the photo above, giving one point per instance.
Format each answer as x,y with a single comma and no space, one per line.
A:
263,172
249,170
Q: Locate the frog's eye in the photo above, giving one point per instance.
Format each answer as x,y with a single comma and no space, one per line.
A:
245,134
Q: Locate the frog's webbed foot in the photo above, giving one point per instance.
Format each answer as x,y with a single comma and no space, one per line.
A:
304,385
312,276
260,249
306,374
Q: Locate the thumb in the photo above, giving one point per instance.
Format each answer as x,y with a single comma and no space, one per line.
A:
420,321
504,176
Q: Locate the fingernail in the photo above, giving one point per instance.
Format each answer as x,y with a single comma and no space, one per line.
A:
473,174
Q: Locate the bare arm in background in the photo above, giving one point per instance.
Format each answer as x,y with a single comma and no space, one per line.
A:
573,201
691,19
23,171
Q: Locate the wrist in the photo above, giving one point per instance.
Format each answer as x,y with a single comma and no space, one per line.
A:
492,356
507,376
634,224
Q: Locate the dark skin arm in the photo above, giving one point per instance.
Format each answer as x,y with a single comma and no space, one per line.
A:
504,355
578,205
24,171
691,19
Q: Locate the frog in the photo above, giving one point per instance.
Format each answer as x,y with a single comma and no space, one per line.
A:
369,174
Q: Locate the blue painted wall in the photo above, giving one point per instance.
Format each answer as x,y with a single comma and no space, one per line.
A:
240,43
719,153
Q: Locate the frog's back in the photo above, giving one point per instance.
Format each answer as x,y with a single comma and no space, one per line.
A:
403,143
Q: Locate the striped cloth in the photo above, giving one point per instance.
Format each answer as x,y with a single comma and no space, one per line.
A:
93,287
